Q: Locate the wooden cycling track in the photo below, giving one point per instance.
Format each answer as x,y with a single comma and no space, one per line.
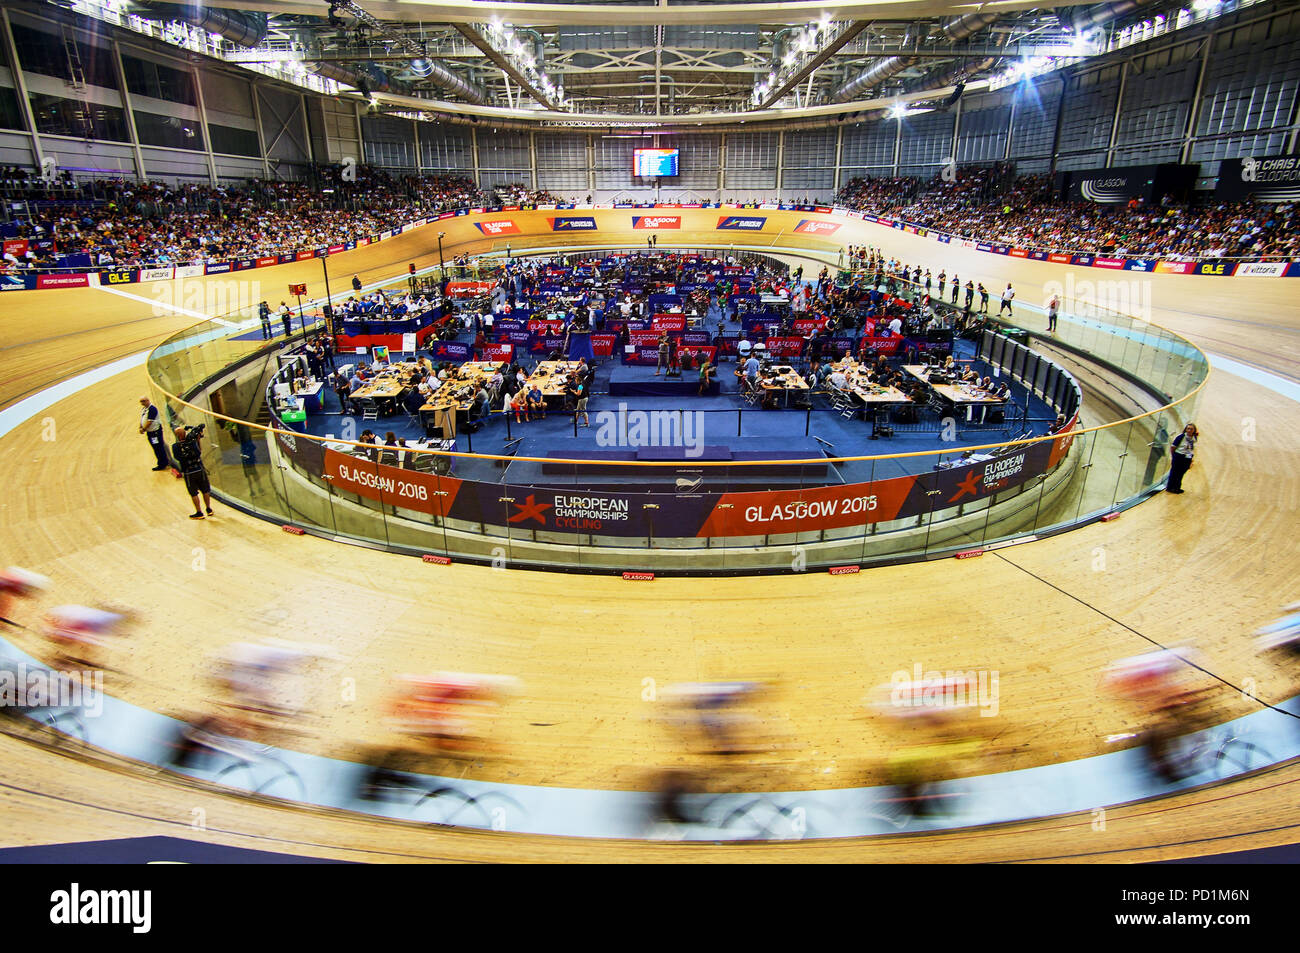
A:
1205,568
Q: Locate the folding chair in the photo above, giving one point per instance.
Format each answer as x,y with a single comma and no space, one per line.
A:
842,401
369,408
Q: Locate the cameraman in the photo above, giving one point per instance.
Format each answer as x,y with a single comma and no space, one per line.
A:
189,459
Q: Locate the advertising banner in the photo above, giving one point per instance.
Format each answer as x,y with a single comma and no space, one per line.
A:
1264,178
1223,269
656,221
497,351
450,351
1261,269
746,223
123,276
784,347
394,486
63,281
572,224
810,226
500,226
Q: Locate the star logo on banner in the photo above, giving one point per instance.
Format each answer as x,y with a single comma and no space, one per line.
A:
968,485
529,509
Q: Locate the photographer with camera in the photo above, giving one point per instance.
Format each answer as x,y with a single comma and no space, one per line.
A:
189,460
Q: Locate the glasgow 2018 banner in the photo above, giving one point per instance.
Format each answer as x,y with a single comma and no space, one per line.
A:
756,513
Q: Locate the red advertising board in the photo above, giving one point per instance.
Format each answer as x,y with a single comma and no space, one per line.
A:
500,226
395,486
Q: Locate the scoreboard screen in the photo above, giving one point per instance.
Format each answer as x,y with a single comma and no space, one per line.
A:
652,162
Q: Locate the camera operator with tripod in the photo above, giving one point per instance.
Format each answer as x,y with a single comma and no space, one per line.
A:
189,460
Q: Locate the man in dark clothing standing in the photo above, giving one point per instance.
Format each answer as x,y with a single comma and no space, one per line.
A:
151,427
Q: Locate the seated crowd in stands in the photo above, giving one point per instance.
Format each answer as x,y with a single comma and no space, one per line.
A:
124,224
516,193
993,205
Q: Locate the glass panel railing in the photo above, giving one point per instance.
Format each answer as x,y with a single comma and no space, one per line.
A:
813,508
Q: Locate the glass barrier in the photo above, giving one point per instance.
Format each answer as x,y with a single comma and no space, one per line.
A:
484,502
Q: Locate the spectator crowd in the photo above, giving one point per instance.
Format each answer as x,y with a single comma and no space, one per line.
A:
128,224
990,205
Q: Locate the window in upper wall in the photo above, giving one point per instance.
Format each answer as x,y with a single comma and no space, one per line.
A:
232,141
171,131
11,116
144,78
45,53
56,116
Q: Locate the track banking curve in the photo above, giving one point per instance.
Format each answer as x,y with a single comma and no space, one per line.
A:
1206,567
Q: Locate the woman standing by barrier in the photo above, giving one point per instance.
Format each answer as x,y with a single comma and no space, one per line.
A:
1180,457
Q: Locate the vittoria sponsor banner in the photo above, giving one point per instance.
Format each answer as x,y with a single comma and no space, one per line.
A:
572,224
656,221
165,274
1261,269
741,223
500,226
63,281
809,226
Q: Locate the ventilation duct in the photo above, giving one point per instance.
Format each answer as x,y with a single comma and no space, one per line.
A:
240,28
949,77
375,80
1093,17
958,28
440,74
872,76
